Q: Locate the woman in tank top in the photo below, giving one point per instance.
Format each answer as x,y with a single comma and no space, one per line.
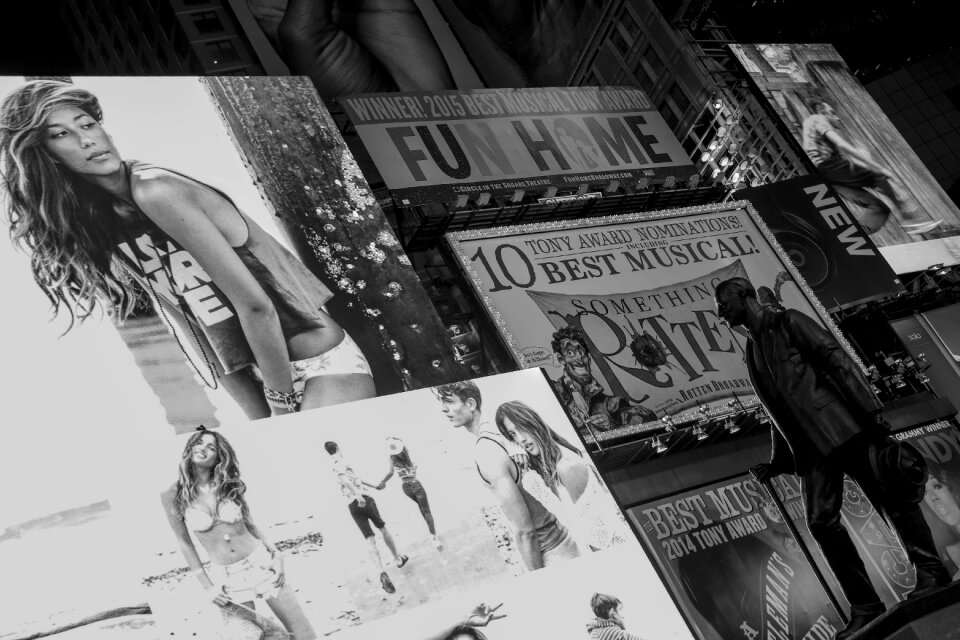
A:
94,223
402,465
207,504
573,483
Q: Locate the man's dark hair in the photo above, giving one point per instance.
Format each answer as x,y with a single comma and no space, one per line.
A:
567,333
815,101
737,285
602,604
464,390
331,447
466,630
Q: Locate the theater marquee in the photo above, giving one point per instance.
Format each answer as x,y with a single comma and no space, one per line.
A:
437,146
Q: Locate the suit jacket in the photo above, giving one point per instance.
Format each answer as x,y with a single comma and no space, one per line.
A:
814,391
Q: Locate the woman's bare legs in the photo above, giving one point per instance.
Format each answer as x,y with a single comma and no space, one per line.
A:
287,608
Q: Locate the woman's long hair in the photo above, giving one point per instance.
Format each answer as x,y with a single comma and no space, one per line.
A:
526,419
226,475
58,217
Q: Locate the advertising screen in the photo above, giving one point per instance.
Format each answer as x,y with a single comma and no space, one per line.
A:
855,148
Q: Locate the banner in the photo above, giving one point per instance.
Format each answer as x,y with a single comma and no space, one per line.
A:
439,145
620,310
940,445
856,149
820,234
733,564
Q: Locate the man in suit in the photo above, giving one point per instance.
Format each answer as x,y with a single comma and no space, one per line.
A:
827,419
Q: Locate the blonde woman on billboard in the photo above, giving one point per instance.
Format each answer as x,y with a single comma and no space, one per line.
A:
95,223
208,502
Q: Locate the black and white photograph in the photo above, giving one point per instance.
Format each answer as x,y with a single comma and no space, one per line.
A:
338,517
222,225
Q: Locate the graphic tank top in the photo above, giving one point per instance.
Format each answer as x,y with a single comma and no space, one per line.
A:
148,253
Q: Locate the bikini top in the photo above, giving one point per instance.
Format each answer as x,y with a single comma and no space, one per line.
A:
200,520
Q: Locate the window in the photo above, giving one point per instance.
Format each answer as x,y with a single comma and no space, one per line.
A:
207,22
222,52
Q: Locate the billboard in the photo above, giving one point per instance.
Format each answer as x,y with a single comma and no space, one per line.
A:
820,234
437,146
940,445
620,310
856,149
733,564
274,220
406,526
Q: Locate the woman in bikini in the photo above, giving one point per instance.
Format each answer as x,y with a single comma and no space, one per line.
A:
573,480
208,502
95,223
402,465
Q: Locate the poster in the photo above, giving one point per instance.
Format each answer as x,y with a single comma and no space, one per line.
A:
437,533
620,310
736,568
434,147
300,236
940,445
820,234
854,147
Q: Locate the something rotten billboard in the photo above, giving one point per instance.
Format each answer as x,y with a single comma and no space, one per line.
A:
854,147
819,233
437,146
620,310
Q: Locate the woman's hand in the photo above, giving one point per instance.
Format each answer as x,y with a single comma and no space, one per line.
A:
483,615
217,596
277,567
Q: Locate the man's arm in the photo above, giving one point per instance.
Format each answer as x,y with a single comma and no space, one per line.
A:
827,356
857,155
497,468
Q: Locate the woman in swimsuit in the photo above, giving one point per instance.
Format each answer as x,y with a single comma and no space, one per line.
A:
93,223
402,464
571,478
208,501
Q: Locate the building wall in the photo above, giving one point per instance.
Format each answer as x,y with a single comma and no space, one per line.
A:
923,102
172,37
697,87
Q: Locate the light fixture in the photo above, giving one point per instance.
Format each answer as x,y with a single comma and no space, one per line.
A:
715,173
731,425
713,145
724,161
705,156
658,446
667,423
717,102
700,432
736,176
938,270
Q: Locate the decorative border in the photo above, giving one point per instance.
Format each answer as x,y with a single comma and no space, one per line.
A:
455,238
